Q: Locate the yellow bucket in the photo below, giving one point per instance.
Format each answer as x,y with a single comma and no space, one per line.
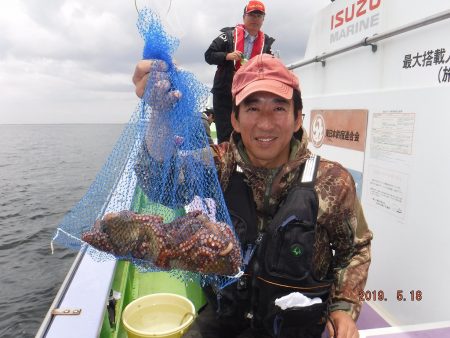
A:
158,315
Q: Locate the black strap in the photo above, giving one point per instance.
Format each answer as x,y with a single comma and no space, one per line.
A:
242,207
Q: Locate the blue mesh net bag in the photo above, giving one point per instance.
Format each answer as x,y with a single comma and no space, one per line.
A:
157,200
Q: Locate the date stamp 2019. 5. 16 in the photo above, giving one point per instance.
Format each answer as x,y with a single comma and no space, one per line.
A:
381,296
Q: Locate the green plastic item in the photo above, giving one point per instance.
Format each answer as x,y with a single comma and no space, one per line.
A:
132,284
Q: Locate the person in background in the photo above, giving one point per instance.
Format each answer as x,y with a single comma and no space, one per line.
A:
298,219
207,119
233,47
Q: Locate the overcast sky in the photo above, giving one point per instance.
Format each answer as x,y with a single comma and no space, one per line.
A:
71,61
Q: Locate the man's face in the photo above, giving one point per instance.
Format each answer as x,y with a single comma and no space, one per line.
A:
266,123
253,21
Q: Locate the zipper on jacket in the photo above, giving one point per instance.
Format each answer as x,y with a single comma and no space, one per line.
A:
280,239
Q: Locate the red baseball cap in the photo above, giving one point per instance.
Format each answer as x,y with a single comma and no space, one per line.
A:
263,73
255,6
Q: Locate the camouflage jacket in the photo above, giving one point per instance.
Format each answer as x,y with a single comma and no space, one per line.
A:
340,222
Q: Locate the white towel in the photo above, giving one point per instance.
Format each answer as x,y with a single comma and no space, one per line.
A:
296,299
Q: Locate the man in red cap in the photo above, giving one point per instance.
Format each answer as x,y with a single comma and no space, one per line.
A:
233,47
297,216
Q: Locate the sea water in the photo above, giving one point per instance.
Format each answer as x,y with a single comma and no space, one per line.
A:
44,171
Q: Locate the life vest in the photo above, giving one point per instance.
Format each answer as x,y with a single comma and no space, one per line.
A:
239,41
278,259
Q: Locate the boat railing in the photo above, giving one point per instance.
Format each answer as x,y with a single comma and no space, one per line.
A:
60,295
370,41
